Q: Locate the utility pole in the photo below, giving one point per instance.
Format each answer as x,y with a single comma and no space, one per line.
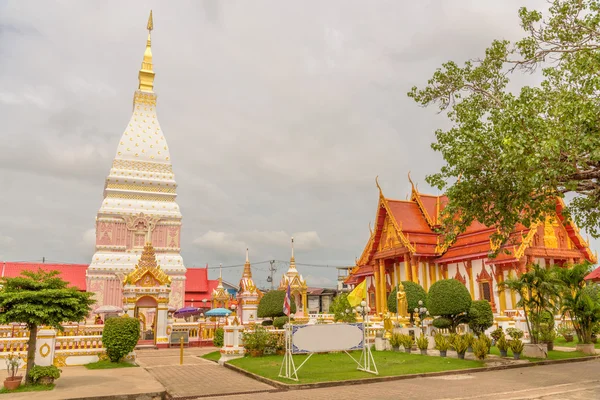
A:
272,269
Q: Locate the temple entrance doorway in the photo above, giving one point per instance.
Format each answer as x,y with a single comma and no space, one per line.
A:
146,311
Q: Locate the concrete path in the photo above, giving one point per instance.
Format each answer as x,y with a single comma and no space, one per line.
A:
548,382
79,382
197,376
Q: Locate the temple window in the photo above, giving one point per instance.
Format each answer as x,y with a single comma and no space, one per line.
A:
485,291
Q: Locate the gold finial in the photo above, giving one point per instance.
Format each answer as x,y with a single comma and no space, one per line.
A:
146,74
378,187
150,25
411,182
292,249
247,271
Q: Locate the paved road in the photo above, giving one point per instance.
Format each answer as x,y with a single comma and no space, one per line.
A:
550,382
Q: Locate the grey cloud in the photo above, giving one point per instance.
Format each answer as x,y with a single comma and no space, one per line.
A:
278,116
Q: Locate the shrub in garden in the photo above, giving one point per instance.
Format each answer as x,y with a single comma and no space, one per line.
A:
449,299
219,338
395,340
566,332
279,322
407,342
481,347
442,323
339,306
460,345
480,316
119,337
514,333
267,322
422,342
516,345
256,341
271,304
36,373
469,340
414,293
442,344
497,333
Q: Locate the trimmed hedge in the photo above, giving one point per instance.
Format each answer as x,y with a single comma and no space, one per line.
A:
119,337
271,304
414,293
219,338
450,299
279,322
480,316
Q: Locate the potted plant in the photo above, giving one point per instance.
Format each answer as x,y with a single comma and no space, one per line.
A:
442,344
516,345
481,347
566,332
502,345
44,375
497,334
514,333
395,341
423,344
407,342
470,339
547,335
460,345
13,362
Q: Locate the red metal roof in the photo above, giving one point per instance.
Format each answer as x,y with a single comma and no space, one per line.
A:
75,274
196,280
594,275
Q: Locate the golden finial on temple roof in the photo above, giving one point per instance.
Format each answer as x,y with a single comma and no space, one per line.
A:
146,74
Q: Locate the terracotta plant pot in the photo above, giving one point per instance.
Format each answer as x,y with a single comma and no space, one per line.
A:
46,380
516,356
11,383
443,353
461,356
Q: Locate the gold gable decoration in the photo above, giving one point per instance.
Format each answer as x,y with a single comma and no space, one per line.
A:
147,272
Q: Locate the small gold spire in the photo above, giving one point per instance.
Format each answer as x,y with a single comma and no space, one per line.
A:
247,271
146,74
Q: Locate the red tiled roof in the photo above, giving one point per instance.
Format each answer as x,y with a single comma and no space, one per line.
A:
196,280
72,273
594,275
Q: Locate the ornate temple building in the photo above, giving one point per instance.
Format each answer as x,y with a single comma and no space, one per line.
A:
248,295
297,285
404,246
139,203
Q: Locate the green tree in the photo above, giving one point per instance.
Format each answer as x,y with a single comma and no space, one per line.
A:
480,316
538,289
339,306
449,300
41,298
271,304
578,300
119,337
510,153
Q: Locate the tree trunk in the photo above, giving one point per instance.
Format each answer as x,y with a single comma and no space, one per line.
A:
31,345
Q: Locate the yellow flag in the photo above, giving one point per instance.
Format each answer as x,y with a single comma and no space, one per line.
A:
358,294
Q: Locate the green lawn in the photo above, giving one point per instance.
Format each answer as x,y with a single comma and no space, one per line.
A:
552,355
106,364
560,341
28,388
338,366
212,356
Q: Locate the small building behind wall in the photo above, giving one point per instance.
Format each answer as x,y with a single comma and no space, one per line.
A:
319,300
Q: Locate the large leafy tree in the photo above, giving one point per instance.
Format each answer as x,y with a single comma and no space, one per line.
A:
41,298
512,151
339,306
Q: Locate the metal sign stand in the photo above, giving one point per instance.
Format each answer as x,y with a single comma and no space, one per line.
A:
288,369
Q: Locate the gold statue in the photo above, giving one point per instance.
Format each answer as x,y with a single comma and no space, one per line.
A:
401,301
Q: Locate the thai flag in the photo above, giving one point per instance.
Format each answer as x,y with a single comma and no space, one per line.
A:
287,310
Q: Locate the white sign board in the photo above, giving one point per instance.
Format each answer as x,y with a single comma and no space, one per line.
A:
326,337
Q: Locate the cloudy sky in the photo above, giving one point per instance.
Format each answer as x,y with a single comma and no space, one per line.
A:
278,114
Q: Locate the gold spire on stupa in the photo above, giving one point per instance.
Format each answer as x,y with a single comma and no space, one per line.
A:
219,293
247,271
147,271
292,271
146,74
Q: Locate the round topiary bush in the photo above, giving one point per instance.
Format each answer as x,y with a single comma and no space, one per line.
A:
414,293
119,337
271,304
267,322
480,316
442,323
450,299
279,322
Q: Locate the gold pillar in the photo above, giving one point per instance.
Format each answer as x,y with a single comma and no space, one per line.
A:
407,274
501,293
432,273
397,267
383,285
415,269
425,273
304,305
513,297
377,294
469,268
